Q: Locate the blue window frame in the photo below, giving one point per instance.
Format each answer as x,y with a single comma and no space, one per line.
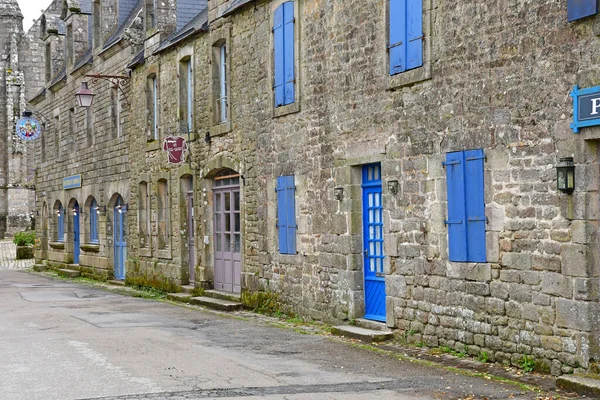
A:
94,221
60,222
283,31
466,206
405,44
286,214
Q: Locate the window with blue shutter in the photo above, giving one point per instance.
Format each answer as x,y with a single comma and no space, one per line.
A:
60,222
286,214
94,221
466,206
405,44
283,54
577,9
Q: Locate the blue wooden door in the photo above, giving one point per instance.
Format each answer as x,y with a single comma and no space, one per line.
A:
76,238
120,239
373,243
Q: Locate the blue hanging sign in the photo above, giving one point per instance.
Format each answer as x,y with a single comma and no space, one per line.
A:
28,128
72,182
586,107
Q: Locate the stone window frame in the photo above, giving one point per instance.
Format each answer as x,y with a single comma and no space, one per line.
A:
151,16
295,106
43,143
220,36
48,60
416,75
96,24
115,111
91,215
89,119
72,130
153,132
186,59
58,218
145,251
166,251
69,46
57,133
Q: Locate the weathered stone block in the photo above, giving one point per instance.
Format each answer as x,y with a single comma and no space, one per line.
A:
499,290
395,286
557,285
575,314
516,260
585,289
574,261
492,244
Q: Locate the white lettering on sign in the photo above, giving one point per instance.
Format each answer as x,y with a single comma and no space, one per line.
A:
595,106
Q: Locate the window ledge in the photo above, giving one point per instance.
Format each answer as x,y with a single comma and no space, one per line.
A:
221,129
91,247
410,77
57,245
152,145
287,109
145,252
165,253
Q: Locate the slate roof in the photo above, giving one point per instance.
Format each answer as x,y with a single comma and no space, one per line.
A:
235,5
198,24
137,60
125,9
188,10
60,75
86,58
116,37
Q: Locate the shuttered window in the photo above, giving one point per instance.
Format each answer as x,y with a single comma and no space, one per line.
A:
283,32
466,206
94,221
406,35
286,214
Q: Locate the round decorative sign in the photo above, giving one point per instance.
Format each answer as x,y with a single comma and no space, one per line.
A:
28,128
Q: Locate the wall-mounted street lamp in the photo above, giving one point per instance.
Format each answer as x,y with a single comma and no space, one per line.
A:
85,95
565,175
122,208
100,208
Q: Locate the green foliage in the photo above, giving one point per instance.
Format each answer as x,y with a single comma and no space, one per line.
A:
197,292
151,283
483,357
263,302
527,364
24,238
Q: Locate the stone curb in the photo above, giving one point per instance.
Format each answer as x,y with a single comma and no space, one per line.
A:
579,384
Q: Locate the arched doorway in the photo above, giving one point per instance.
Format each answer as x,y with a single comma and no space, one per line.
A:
120,238
227,231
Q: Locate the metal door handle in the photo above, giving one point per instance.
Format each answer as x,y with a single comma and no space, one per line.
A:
366,253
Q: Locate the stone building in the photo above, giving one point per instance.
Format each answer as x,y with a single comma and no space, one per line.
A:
16,162
394,161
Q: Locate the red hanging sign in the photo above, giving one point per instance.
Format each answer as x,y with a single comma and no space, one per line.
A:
176,147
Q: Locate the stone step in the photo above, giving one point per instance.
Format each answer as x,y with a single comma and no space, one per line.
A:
40,267
216,304
362,334
180,297
116,282
187,288
69,273
579,384
219,294
370,324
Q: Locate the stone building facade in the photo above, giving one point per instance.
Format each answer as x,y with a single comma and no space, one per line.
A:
17,169
350,170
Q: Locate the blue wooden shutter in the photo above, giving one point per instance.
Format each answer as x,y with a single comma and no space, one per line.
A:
290,193
61,223
475,205
288,46
577,9
414,33
397,42
456,222
282,214
278,56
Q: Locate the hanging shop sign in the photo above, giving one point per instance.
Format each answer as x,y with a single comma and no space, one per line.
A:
28,128
72,182
176,147
586,107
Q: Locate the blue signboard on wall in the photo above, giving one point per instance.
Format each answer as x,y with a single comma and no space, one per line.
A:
586,107
72,182
577,9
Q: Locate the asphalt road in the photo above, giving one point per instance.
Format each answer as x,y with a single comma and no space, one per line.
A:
60,340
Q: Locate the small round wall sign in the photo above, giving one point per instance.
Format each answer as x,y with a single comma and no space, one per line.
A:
28,128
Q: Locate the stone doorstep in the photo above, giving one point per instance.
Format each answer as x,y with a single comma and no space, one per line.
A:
39,267
116,282
69,273
187,288
579,384
180,297
362,334
369,324
216,304
219,294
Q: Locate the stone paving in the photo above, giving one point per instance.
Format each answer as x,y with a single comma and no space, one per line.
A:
8,251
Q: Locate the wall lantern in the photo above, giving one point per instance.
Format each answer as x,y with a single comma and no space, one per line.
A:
338,193
565,175
122,208
207,138
393,186
58,213
84,96
74,212
100,208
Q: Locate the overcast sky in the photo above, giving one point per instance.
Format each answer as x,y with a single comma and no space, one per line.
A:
32,9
